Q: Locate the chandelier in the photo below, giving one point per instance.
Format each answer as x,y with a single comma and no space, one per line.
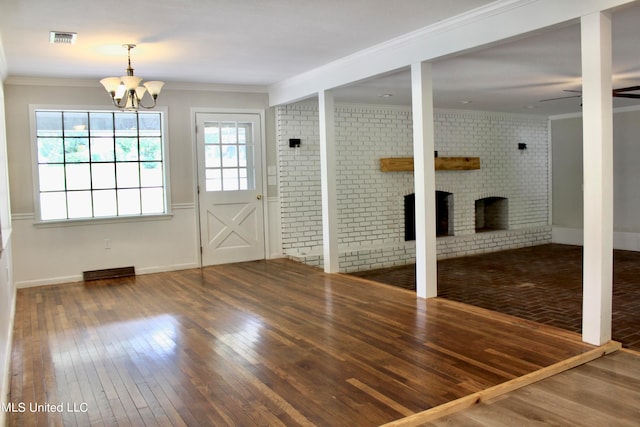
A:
126,92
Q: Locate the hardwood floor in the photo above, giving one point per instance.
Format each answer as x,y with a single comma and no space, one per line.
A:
260,343
604,392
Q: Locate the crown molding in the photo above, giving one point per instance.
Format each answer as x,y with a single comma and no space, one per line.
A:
211,87
49,81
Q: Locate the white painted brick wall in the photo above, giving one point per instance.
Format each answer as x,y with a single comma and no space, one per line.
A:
370,202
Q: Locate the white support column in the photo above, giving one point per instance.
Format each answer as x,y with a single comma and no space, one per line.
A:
328,182
425,180
597,118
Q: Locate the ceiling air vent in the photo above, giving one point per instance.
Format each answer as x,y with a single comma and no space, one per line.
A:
60,37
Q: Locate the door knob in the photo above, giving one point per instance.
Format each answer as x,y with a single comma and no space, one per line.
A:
259,197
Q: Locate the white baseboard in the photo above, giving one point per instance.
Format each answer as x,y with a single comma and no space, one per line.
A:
48,281
163,268
574,236
78,277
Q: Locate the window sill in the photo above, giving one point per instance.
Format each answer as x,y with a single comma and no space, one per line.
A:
101,221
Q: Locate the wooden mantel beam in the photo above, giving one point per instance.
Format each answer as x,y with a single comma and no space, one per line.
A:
405,164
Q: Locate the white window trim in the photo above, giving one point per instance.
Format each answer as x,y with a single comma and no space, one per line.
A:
39,222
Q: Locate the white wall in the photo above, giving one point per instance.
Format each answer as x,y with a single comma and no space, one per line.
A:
370,202
53,254
566,137
7,287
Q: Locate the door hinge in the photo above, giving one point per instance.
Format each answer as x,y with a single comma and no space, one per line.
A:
200,250
198,189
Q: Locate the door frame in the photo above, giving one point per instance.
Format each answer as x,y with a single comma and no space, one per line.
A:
263,161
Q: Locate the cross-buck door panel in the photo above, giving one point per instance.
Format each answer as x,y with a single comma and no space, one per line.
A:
229,179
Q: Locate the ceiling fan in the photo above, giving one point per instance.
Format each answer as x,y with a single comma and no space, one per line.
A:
616,93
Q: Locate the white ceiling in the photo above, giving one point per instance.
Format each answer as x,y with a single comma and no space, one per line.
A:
516,75
260,42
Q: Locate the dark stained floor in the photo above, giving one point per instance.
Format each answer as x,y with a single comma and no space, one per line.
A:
540,283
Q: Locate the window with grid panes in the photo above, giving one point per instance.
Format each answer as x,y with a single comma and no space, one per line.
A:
99,164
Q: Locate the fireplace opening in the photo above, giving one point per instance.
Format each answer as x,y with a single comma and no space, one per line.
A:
492,213
410,217
444,215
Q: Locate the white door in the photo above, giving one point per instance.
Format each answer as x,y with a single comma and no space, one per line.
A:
230,187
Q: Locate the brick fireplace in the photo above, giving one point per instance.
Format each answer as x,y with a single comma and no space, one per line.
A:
371,204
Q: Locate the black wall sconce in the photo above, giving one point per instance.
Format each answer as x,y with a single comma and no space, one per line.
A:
294,142
522,146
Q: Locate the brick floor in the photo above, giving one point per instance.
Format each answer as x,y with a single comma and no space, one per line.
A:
540,283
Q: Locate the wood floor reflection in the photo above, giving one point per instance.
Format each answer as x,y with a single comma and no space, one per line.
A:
259,343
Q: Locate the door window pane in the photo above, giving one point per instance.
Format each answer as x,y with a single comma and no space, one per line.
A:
230,153
242,155
244,182
230,179
212,156
229,156
213,179
244,133
212,133
228,131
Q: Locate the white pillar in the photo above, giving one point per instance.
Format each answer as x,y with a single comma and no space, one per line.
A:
597,276
328,182
425,180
